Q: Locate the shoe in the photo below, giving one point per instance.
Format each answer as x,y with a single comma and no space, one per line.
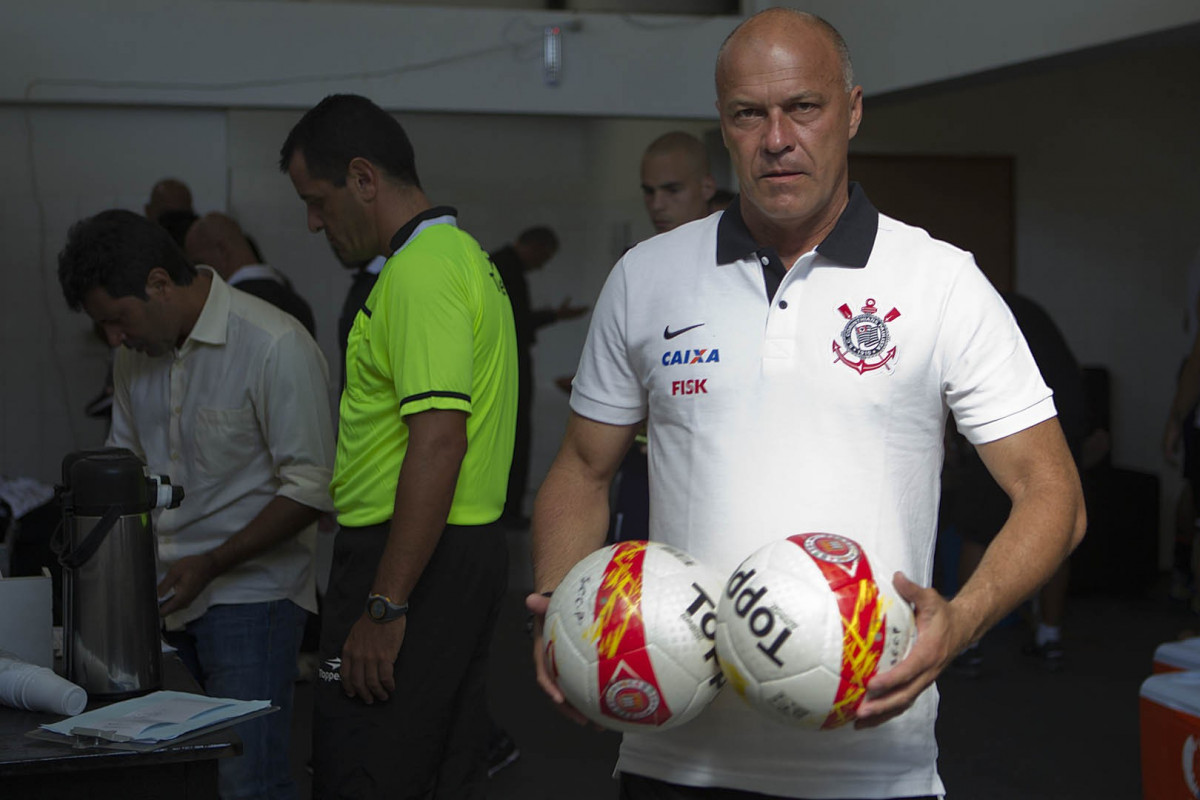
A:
968,663
1051,653
502,751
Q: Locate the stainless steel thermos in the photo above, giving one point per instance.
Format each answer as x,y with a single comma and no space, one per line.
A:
111,640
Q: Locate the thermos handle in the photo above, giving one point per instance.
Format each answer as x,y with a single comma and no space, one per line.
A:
76,558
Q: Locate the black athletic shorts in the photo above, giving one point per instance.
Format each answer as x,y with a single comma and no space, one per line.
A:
430,737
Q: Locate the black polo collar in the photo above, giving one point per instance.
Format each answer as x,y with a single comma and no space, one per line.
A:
409,227
849,244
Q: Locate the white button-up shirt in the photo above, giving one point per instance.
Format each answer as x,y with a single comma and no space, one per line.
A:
236,416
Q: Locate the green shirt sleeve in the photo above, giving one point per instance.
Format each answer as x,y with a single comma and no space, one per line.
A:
428,334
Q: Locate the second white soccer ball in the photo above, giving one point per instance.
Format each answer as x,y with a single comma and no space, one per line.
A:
803,625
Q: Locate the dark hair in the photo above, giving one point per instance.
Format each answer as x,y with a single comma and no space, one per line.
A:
177,224
115,250
343,127
541,236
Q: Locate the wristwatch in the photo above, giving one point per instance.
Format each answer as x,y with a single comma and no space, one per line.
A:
381,608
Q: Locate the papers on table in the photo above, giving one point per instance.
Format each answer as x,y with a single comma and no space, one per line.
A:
157,717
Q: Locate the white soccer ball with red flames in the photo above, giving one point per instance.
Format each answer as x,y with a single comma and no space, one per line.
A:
629,636
803,625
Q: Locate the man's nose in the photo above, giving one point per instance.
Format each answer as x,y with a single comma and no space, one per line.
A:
114,336
314,222
777,138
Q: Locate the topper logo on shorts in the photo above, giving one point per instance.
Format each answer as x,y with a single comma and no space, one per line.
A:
702,356
330,671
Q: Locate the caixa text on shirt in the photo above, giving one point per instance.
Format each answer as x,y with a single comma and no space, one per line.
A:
749,601
709,355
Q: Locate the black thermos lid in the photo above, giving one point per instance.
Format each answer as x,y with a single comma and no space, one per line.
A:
110,476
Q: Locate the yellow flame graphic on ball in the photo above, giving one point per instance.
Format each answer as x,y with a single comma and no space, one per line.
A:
861,650
620,588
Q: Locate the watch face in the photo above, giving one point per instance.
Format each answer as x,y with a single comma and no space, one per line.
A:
376,608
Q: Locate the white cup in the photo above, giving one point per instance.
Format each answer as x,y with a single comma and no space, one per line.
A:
33,688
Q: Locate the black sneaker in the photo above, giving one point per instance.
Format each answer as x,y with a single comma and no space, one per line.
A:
968,663
1051,653
502,751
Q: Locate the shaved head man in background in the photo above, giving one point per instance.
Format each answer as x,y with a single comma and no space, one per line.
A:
676,183
169,194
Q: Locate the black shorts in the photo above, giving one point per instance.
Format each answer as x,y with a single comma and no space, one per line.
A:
430,737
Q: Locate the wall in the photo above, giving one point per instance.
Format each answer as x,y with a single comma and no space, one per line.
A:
289,55
1107,203
57,165
266,53
503,173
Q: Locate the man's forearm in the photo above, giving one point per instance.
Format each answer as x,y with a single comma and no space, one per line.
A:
1024,555
424,493
280,519
570,520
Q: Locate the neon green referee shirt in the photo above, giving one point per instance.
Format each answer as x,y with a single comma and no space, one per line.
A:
436,332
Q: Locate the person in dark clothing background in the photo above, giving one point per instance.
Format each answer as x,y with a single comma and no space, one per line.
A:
216,240
977,507
532,249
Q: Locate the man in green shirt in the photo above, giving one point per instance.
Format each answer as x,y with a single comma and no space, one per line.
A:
424,445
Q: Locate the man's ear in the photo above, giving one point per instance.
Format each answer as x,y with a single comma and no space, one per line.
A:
856,109
158,283
362,178
708,187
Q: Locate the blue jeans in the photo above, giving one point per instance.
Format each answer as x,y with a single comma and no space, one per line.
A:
248,652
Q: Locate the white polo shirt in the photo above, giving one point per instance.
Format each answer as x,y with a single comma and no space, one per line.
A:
818,405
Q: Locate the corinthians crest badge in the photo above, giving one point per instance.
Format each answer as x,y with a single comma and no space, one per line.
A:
865,339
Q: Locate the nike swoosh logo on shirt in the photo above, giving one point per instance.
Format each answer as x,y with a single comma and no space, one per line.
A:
670,334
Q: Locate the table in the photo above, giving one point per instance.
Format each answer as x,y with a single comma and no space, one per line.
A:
32,768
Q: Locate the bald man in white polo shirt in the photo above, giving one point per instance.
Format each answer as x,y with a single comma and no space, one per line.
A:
796,358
